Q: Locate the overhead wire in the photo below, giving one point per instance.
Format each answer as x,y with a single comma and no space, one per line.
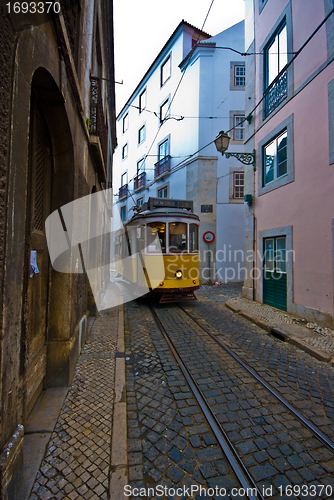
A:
182,76
296,54
176,90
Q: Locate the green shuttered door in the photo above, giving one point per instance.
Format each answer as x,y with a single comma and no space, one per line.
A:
275,277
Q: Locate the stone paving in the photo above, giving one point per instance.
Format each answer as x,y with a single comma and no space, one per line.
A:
169,442
318,337
77,461
281,364
274,445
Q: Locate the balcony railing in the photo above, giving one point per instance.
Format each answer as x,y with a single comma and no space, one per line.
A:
275,93
162,166
139,181
97,123
123,192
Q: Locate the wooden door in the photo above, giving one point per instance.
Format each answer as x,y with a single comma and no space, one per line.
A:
36,304
275,273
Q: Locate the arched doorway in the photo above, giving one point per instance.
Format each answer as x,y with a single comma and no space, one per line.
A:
48,294
37,280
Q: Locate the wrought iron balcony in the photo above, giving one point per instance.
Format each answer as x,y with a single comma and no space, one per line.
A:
123,192
162,166
139,181
97,124
275,93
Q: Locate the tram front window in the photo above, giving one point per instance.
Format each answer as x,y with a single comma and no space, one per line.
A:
177,237
193,238
154,230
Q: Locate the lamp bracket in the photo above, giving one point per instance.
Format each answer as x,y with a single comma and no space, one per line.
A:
245,158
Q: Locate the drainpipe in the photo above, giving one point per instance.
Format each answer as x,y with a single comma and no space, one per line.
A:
254,259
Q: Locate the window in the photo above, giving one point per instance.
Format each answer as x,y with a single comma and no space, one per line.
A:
140,166
164,111
238,185
140,202
275,254
177,236
193,238
275,159
125,123
141,134
163,192
262,3
156,237
163,149
123,213
275,59
276,56
239,76
124,151
124,179
142,101
165,71
238,127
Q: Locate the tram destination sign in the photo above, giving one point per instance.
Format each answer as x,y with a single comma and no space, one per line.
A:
168,203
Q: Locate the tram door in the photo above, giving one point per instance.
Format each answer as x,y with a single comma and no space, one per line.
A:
36,300
275,275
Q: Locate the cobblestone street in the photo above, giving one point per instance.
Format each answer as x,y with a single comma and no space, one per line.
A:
77,460
169,441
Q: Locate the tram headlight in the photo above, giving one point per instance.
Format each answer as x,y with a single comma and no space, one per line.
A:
178,274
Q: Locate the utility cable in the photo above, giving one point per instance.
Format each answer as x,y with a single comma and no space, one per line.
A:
260,101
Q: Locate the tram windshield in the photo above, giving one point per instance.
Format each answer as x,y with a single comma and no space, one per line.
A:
193,238
155,229
177,237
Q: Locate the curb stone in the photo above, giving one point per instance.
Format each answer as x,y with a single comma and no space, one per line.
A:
280,333
118,464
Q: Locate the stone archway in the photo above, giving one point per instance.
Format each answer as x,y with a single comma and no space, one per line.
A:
39,79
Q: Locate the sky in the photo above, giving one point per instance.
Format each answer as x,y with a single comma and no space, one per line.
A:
142,27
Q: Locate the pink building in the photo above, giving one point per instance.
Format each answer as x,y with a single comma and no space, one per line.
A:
290,96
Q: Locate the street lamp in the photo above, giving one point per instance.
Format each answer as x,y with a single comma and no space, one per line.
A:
222,142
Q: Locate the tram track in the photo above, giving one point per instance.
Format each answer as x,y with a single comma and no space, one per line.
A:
214,418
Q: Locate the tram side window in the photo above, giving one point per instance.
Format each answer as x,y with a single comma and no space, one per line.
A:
155,229
177,237
193,238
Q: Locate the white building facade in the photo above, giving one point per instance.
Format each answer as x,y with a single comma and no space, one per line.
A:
193,89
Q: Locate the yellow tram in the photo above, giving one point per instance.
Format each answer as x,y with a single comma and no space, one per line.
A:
157,250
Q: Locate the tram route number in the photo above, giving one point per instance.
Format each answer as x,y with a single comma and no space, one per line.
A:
306,490
33,7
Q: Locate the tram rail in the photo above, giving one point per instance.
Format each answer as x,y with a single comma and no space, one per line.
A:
245,478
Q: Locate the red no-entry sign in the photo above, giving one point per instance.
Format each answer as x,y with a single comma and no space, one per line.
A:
209,237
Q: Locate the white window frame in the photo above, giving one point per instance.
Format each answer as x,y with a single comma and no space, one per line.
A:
233,66
162,189
274,142
123,211
125,151
263,188
141,165
125,122
164,79
162,117
238,128
141,139
238,186
241,77
142,95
